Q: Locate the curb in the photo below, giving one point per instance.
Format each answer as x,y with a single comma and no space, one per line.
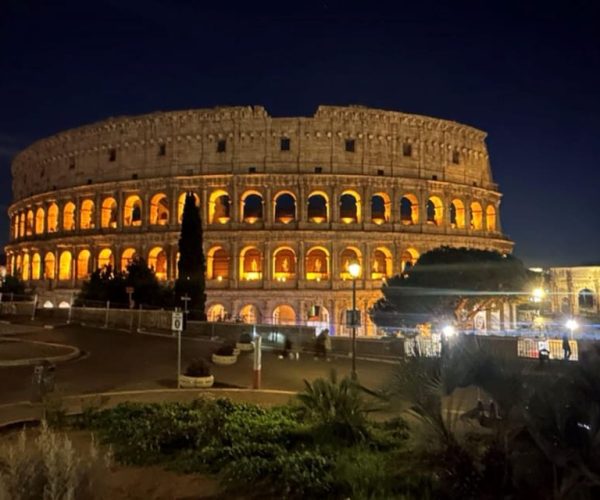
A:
75,352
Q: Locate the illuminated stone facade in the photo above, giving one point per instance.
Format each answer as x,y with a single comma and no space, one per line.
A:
574,291
287,203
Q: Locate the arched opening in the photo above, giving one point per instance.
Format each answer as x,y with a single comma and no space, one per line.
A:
26,267
49,266
36,266
39,220
52,221
476,216
83,264
284,315
181,204
585,299
317,264
106,258
285,208
457,214
109,213
217,264
284,264
490,218
318,208
69,217
21,224
409,259
251,264
249,314
127,257
219,205
349,207
348,256
86,220
252,207
216,312
30,223
14,227
435,211
19,266
157,260
381,263
64,266
132,213
380,208
409,209
318,318
159,210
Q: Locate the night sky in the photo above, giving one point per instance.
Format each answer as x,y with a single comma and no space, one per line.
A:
527,73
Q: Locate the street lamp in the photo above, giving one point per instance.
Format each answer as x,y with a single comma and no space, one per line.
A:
572,325
354,270
538,294
449,331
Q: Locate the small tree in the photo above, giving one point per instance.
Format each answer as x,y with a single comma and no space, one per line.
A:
191,264
451,285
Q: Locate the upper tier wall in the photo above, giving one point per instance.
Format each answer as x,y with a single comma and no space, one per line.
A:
187,143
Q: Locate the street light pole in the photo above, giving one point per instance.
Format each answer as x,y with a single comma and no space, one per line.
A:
354,270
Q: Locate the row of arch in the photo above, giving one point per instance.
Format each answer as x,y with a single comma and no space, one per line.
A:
317,264
458,214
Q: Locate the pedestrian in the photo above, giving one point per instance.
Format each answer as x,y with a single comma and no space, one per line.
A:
566,348
327,346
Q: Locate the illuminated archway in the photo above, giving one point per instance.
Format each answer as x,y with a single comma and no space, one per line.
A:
216,312
409,209
29,223
69,216
86,215
36,266
318,207
39,220
317,264
49,266
586,300
64,266
132,212
476,216
14,227
181,204
350,207
157,260
52,221
381,263
19,265
490,218
127,257
252,207
457,214
249,314
106,258
159,210
284,207
109,213
380,208
83,264
217,264
409,259
251,263
347,257
435,211
219,205
26,267
284,315
284,264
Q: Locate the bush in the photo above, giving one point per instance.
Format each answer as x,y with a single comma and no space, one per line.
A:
245,338
198,368
225,350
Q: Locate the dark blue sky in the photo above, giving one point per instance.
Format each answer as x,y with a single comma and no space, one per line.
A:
526,72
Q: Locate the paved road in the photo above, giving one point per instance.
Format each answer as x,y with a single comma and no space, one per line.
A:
123,361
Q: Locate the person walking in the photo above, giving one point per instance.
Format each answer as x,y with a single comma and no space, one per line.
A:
566,348
327,346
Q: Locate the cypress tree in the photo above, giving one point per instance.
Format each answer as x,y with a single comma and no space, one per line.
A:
191,264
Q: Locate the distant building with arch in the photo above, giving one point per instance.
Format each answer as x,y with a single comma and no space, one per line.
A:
574,291
287,204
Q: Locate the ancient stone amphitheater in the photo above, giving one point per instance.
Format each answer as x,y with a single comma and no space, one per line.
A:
287,203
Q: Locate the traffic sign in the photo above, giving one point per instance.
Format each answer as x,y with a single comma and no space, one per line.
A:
177,321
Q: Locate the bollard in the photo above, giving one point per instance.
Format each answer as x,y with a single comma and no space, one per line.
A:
35,299
139,327
106,316
257,361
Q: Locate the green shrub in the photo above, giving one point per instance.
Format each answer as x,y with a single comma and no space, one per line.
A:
224,350
245,338
198,368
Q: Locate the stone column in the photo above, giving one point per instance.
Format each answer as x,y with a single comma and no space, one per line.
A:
302,204
235,260
174,194
301,262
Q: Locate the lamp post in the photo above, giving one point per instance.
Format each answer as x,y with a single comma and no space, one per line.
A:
354,270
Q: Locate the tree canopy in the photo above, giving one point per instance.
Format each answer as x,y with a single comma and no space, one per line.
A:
451,285
191,264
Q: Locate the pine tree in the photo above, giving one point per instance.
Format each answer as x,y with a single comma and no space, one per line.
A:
191,261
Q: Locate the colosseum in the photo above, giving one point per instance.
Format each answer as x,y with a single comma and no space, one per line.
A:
287,203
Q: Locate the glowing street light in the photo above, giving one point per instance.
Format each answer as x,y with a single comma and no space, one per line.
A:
538,294
572,325
449,331
354,270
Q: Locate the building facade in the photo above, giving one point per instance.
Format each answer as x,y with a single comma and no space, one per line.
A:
287,203
574,291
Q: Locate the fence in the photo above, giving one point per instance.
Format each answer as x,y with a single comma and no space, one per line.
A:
530,348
